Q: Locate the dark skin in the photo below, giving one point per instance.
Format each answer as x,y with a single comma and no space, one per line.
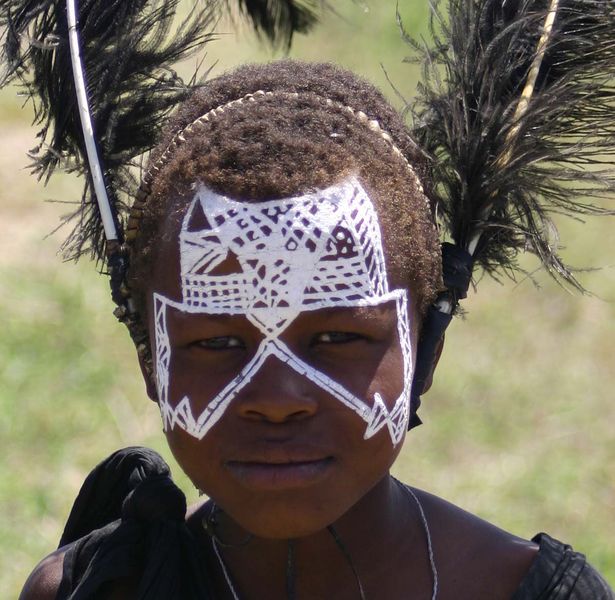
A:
253,464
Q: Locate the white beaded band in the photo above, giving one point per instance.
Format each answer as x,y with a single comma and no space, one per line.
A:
201,122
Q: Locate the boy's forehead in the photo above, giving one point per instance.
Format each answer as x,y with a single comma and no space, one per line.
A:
301,253
320,249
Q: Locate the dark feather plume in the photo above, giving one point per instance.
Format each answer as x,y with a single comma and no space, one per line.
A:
278,20
501,170
128,49
128,56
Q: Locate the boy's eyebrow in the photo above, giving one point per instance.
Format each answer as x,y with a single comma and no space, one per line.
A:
183,316
359,312
364,313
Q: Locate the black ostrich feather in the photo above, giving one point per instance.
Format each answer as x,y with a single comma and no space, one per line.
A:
278,20
504,165
128,50
128,54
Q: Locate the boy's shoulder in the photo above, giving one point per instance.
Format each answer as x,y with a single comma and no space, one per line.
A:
44,581
473,554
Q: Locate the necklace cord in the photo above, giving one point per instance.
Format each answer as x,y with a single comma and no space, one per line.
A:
227,577
432,562
342,548
209,523
291,573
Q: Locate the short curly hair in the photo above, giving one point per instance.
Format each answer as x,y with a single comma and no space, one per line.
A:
281,129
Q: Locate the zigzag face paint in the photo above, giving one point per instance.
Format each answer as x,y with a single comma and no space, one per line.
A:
294,255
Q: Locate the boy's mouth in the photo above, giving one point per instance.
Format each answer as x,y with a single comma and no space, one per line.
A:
273,473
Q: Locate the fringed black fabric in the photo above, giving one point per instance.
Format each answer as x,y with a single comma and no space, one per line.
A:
560,573
128,521
517,113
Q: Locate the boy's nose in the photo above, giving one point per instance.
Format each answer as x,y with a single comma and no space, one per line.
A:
277,393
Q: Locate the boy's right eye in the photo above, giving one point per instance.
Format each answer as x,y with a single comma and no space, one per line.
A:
220,342
336,337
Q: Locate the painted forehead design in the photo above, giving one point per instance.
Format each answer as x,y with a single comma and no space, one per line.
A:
314,251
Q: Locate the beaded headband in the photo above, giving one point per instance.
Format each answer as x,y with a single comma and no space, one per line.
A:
199,125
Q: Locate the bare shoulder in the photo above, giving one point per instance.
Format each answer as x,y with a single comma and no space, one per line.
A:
475,559
44,581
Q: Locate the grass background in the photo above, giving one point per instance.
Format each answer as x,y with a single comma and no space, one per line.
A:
519,423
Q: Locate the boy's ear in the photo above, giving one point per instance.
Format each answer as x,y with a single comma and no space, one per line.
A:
434,364
147,371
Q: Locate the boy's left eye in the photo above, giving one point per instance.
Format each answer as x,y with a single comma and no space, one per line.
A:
336,337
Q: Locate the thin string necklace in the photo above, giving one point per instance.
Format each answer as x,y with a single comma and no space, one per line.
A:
225,572
290,575
432,562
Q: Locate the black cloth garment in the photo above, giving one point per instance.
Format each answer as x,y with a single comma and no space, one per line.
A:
560,573
129,521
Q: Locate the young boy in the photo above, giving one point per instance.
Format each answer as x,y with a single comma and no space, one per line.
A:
283,255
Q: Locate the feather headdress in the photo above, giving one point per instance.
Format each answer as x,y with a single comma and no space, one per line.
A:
278,20
516,111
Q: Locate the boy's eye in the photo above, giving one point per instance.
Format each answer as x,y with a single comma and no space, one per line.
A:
336,337
221,342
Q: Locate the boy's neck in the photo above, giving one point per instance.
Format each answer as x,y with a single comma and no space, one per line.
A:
372,534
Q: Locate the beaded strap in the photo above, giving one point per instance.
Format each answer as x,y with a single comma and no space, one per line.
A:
199,124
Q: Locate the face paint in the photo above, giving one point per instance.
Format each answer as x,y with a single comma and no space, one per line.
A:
299,254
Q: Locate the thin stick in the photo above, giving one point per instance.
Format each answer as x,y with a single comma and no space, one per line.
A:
100,191
522,106
530,85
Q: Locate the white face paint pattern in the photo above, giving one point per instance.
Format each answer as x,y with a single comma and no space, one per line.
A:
319,250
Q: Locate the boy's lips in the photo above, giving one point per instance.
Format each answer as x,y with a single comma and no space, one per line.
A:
280,467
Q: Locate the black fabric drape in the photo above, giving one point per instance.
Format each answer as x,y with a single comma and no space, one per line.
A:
128,521
560,573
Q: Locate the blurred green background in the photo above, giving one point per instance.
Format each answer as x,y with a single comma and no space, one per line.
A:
518,426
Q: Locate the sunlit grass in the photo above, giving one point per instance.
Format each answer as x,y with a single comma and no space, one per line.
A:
518,427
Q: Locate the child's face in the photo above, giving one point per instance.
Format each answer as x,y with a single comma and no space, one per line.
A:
277,341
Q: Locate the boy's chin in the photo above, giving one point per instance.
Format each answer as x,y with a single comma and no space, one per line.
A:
285,524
